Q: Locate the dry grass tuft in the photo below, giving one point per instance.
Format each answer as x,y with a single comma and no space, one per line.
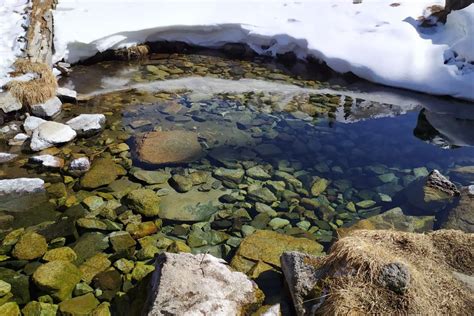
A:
38,90
355,262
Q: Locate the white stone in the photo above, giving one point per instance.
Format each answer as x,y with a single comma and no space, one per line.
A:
6,157
87,124
18,140
215,288
48,161
31,123
66,94
21,185
471,189
49,134
8,103
79,165
50,108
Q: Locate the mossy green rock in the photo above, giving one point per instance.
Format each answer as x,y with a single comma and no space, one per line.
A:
19,285
319,186
90,244
103,172
35,308
267,246
79,306
10,309
102,310
61,253
5,288
94,265
57,278
30,246
144,201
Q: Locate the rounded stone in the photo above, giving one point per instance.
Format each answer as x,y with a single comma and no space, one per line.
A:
57,278
30,246
62,253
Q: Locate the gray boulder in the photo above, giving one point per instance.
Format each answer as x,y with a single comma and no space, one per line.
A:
187,284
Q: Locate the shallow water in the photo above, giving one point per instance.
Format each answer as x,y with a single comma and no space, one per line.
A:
369,142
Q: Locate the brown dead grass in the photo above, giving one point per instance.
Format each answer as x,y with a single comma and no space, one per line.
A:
34,91
355,262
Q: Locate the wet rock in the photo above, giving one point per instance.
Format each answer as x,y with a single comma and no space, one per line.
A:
31,123
89,244
229,175
94,265
259,194
21,186
151,177
142,229
170,147
301,277
263,208
278,223
91,223
30,246
392,219
267,247
6,157
47,161
48,109
57,278
319,186
35,308
87,124
192,206
258,173
461,216
80,305
103,172
8,103
144,201
181,183
122,187
216,289
395,276
79,166
61,253
19,285
66,95
50,134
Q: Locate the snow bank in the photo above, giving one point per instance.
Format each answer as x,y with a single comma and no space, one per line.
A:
374,40
12,16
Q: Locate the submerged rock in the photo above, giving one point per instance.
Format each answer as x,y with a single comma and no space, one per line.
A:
103,172
48,109
185,284
144,201
461,216
87,124
57,278
50,134
170,147
21,185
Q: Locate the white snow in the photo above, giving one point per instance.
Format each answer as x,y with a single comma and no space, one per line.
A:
12,16
374,40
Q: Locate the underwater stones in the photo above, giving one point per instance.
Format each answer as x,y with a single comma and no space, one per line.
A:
50,134
80,305
258,173
319,186
181,183
144,201
229,175
30,246
278,223
263,208
267,247
94,265
366,203
57,278
392,219
461,216
87,124
19,285
48,109
47,161
216,288
169,147
192,206
438,187
61,253
9,103
31,123
151,177
79,166
21,186
259,194
102,172
120,188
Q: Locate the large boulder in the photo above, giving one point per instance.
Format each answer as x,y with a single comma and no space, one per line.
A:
87,124
186,284
50,134
408,273
265,247
169,147
103,171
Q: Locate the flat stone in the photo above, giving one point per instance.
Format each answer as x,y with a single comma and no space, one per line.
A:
277,223
319,186
192,206
151,177
259,194
8,103
267,246
50,134
48,109
216,289
48,161
57,278
258,173
87,124
231,175
144,201
21,186
80,305
170,147
102,172
31,123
